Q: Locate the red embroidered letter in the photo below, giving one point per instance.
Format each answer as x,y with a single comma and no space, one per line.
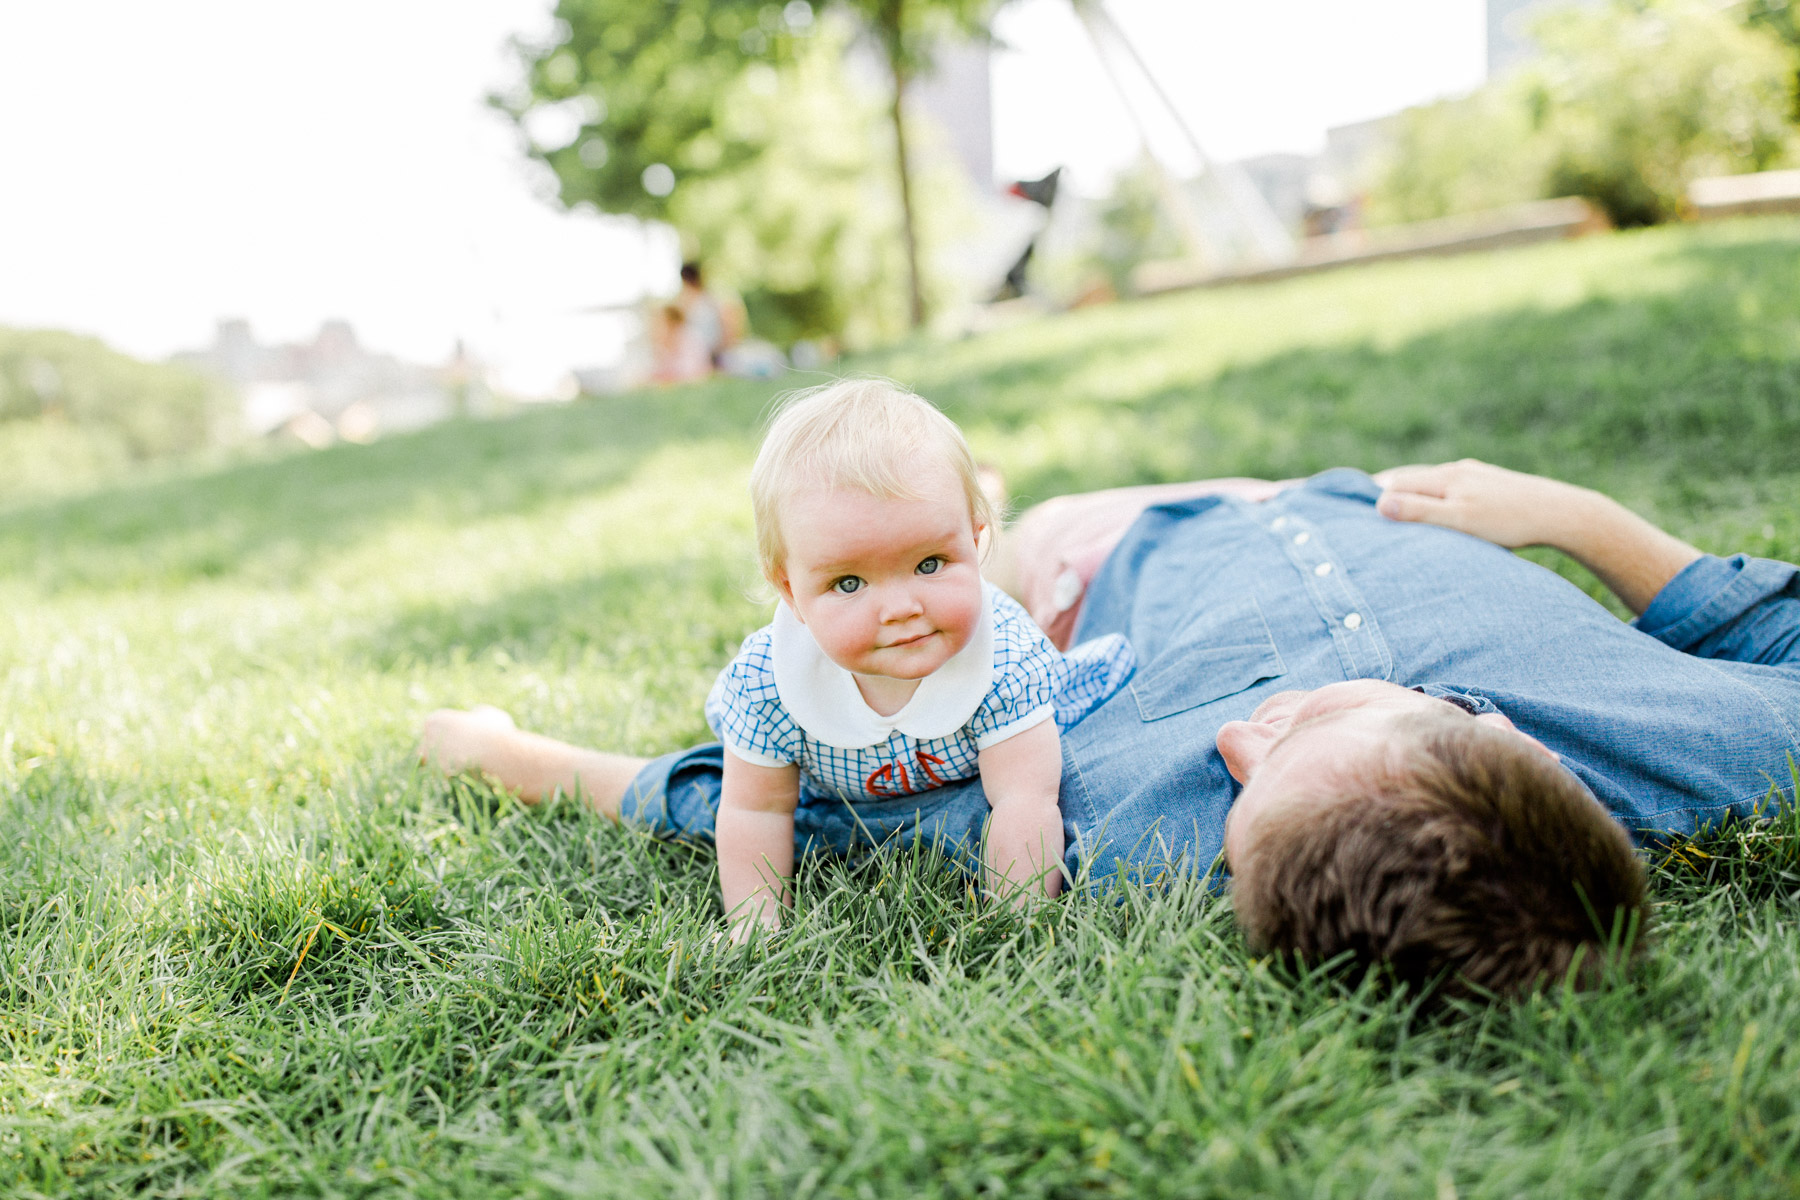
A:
890,780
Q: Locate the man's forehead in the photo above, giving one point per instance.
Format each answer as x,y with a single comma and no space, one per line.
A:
1358,735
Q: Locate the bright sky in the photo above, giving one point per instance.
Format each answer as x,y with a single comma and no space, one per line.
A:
1249,77
163,165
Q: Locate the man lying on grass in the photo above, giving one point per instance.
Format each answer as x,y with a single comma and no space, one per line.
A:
1395,732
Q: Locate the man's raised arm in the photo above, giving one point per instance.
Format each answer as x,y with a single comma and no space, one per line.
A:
1509,508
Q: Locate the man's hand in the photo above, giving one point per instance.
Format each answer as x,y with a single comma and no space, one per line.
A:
1508,508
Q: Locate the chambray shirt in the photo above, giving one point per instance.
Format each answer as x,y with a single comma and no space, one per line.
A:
1674,721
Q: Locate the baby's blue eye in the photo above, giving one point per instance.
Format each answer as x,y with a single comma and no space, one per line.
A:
930,566
846,585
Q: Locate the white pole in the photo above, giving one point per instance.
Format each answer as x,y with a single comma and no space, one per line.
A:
1175,201
1273,243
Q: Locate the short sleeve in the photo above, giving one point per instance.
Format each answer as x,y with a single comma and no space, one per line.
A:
745,711
1027,672
1740,609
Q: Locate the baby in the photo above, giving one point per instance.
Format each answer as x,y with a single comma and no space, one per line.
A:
890,667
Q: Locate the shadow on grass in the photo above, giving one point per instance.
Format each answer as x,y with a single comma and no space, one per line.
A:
280,516
1701,383
557,621
1686,388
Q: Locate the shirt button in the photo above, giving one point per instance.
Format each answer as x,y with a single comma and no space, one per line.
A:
1279,523
1301,538
1353,621
1067,590
1322,569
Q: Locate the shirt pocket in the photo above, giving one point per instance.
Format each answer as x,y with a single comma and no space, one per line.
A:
1219,652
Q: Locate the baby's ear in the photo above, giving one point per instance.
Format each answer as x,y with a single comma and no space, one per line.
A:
785,591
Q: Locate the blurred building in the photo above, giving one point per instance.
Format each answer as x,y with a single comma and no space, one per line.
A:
958,97
1285,181
1320,194
334,387
1313,194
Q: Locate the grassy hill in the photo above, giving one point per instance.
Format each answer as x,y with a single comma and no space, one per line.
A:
245,946
74,412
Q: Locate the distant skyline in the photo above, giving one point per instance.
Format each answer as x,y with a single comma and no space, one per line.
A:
169,165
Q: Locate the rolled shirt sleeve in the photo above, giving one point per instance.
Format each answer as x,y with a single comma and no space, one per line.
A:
746,713
1740,609
1028,672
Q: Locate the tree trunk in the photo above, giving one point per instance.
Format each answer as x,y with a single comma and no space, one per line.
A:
915,290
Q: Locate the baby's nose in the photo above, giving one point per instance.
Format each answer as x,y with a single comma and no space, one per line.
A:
899,603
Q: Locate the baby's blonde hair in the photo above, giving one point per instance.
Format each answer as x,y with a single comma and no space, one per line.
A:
865,433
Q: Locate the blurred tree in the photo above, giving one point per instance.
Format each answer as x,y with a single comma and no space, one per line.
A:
73,411
1093,253
1462,155
805,226
151,409
1627,104
1132,227
711,115
908,33
623,99
1641,97
1781,18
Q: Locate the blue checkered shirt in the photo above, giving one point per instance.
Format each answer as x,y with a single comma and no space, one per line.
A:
1032,682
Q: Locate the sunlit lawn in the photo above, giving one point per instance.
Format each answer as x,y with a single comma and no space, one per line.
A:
245,946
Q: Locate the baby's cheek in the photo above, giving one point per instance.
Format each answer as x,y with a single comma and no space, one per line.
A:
846,640
965,613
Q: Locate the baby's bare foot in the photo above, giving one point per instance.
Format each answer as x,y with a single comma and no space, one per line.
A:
455,739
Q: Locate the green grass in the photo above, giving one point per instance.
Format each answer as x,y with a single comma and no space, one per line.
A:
246,948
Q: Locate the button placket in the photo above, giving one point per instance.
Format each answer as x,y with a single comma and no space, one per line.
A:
1355,635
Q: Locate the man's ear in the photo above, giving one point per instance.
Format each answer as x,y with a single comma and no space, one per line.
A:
1245,744
1502,721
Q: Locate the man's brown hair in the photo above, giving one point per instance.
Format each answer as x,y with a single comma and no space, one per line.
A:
1471,859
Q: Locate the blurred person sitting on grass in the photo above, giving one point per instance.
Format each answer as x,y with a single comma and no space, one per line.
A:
678,355
1412,747
717,323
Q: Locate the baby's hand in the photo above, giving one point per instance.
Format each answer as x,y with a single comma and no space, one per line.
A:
746,925
453,739
1508,508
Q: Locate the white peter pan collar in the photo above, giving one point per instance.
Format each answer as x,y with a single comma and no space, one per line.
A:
823,700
